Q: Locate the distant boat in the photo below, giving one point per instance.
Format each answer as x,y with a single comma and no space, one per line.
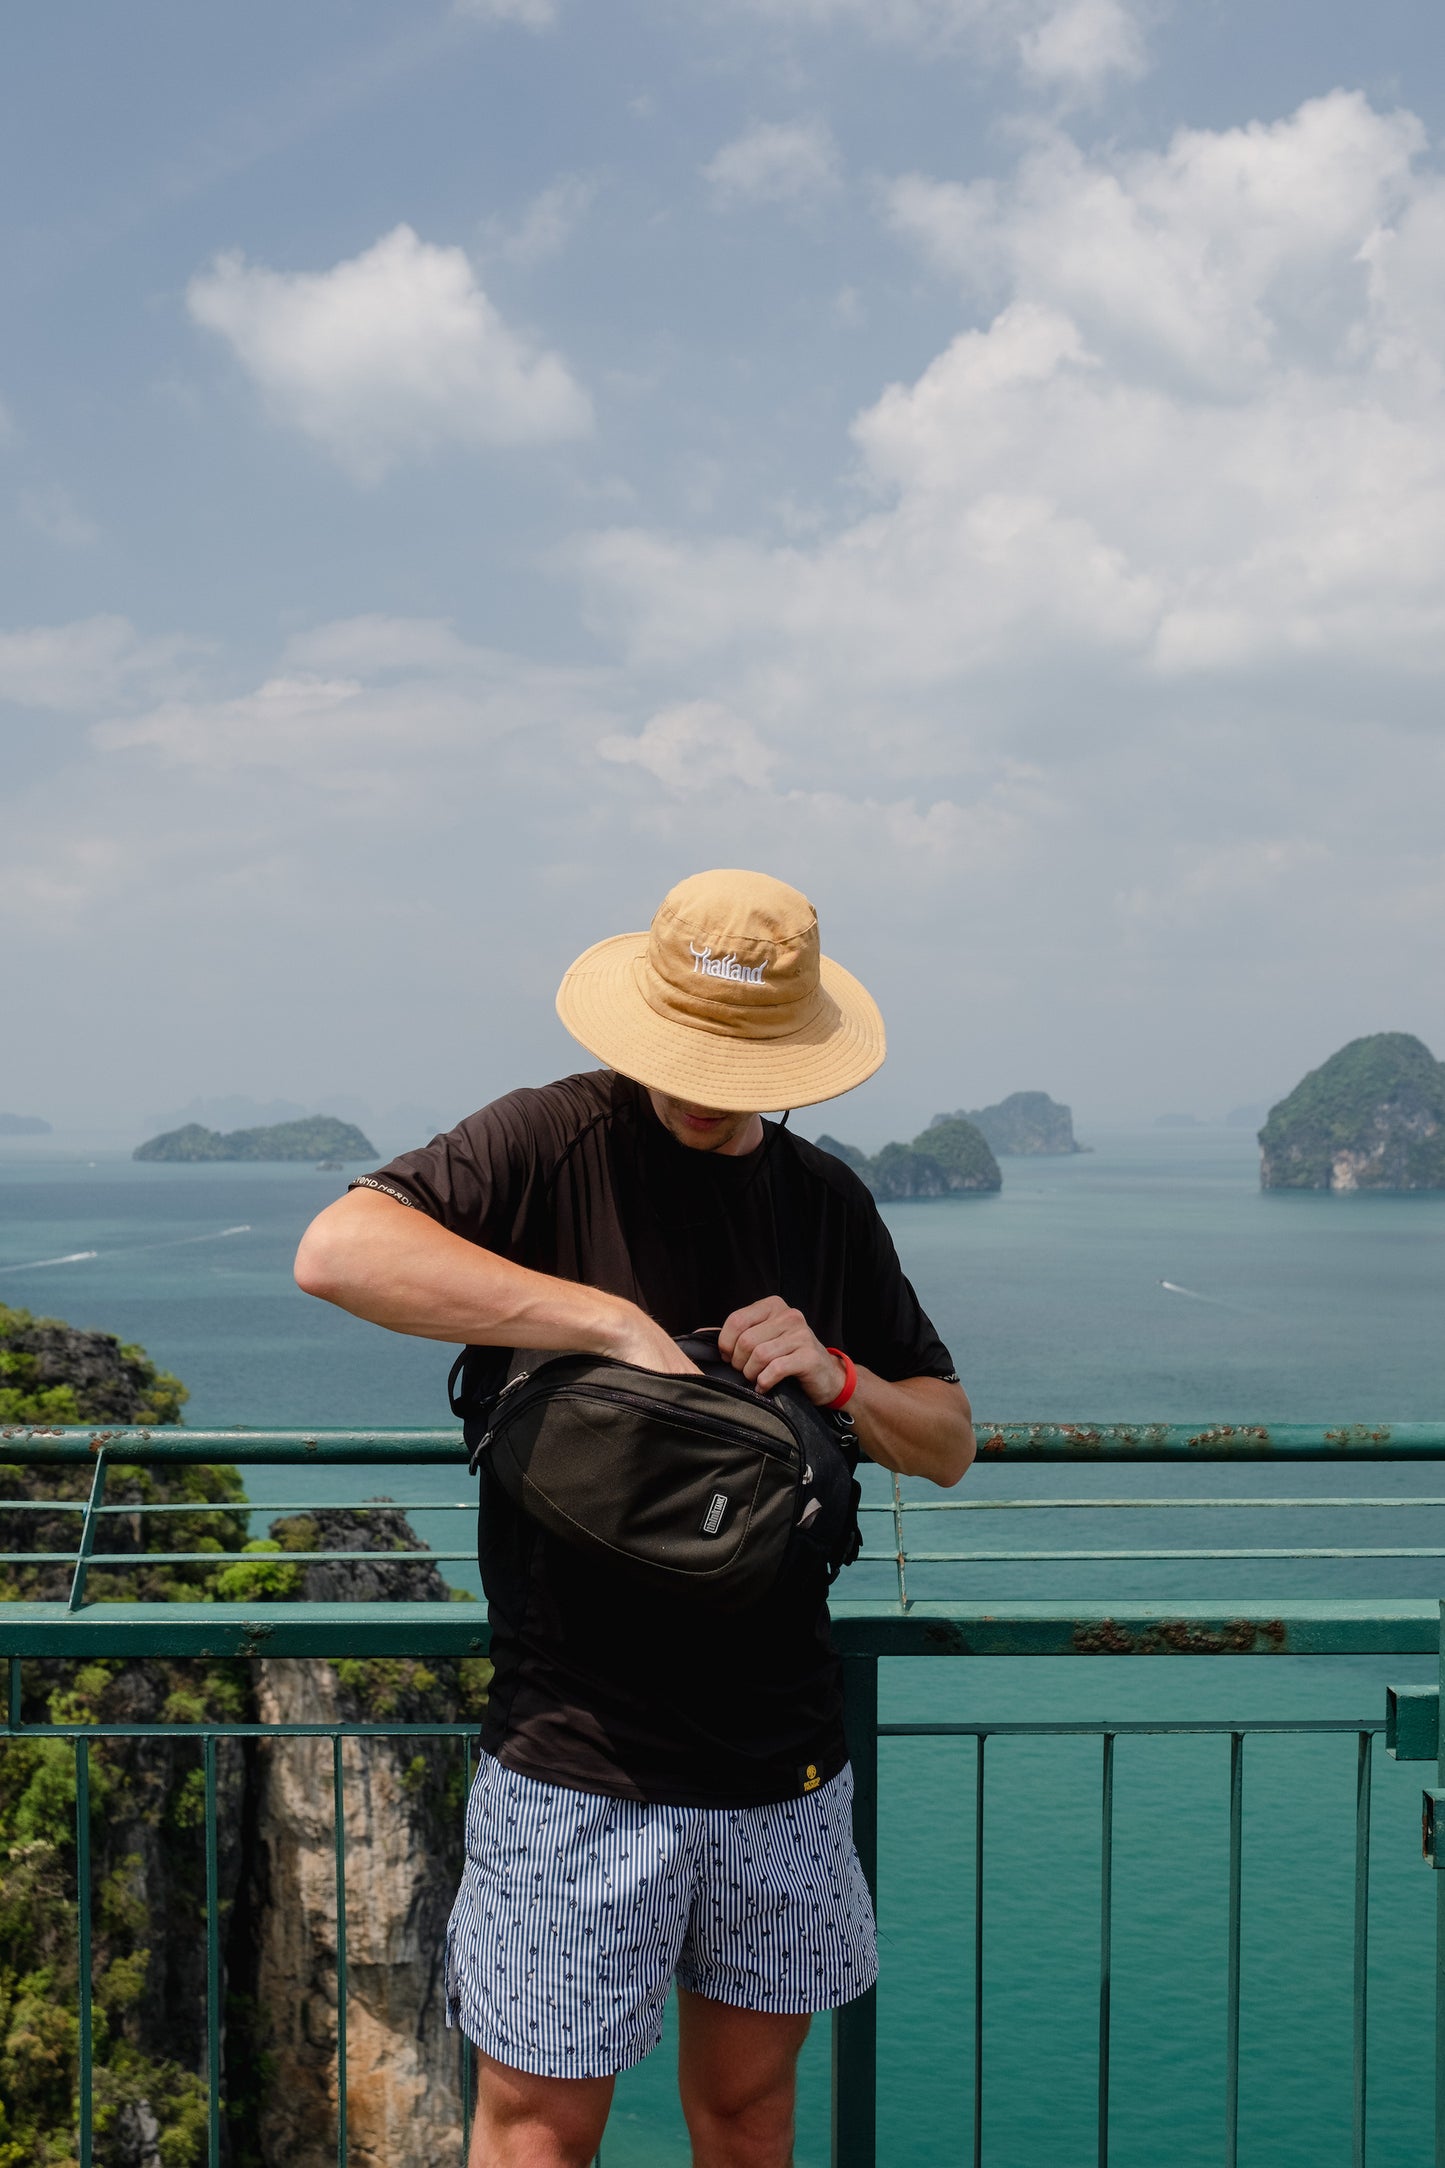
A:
330,1166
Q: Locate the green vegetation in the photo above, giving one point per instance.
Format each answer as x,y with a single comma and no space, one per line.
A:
1371,1117
948,1160
320,1136
51,1373
140,1793
147,1796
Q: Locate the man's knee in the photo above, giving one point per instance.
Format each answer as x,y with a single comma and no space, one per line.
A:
738,2073
524,2121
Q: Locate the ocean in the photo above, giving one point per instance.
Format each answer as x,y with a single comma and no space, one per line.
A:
1148,1278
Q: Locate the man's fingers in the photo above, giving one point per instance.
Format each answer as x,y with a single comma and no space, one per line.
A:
740,1321
784,1355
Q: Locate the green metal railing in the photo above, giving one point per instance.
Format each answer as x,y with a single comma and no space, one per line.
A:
867,1628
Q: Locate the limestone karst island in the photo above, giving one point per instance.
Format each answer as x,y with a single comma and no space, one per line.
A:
1371,1117
319,1137
958,1153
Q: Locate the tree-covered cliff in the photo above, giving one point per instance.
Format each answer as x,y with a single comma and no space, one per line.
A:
52,1373
275,1840
1371,1117
320,1136
148,1880
948,1160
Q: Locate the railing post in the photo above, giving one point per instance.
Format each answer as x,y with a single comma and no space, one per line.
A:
1440,1952
855,2026
86,2103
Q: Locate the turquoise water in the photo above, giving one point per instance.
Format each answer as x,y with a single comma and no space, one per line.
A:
1052,1297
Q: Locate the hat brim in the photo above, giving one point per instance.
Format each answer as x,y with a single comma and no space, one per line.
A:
602,1004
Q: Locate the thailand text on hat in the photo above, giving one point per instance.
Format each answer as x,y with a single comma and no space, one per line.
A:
726,1001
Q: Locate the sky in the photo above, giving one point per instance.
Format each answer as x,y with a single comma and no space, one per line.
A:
465,466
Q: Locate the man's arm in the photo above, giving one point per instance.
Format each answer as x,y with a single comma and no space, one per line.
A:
916,1426
397,1267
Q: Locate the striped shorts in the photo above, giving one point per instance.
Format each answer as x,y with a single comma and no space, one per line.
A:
576,1912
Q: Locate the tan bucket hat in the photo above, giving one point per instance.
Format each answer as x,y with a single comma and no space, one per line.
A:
726,1001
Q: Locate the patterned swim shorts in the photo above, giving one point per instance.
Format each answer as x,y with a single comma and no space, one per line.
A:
576,1912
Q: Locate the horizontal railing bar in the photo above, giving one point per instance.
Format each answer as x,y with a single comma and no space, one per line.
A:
1213,1726
1052,1504
1397,1502
270,1558
1243,1626
29,1445
282,1505
977,1558
1096,1442
1078,1728
242,1731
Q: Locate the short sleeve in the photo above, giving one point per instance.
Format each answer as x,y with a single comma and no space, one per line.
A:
482,1180
886,1326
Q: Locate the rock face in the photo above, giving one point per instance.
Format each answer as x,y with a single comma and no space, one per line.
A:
54,1373
404,1801
1024,1125
1371,1117
948,1160
320,1136
403,1860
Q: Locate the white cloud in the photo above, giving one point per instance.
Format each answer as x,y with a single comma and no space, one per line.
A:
365,712
528,14
281,724
788,162
389,355
694,748
1079,45
69,668
1226,253
1205,430
1069,45
546,224
375,645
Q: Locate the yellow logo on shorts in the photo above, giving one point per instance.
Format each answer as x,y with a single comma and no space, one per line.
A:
811,1779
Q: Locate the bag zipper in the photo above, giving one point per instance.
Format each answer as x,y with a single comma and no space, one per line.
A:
685,1418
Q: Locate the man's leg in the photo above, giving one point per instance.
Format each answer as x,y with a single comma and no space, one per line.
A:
522,2121
737,2073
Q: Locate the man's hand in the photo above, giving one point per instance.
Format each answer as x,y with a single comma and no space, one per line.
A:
916,1426
769,1341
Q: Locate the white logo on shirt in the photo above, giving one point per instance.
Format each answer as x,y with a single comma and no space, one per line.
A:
725,967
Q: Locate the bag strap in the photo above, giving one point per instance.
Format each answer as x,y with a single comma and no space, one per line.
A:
475,1381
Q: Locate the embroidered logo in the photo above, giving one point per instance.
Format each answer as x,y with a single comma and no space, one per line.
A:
708,966
712,1520
811,1778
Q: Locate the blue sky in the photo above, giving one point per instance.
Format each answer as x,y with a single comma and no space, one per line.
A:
462,468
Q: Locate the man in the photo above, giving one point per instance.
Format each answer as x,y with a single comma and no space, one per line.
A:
662,1792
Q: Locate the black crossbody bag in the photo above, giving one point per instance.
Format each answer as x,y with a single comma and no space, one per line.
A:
701,1486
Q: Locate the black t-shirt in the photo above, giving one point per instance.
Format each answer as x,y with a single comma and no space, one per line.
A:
600,1685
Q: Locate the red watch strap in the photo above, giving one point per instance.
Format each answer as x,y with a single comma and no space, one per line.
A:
850,1382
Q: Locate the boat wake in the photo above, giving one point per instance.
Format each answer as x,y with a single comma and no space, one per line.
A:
1171,1287
128,1249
